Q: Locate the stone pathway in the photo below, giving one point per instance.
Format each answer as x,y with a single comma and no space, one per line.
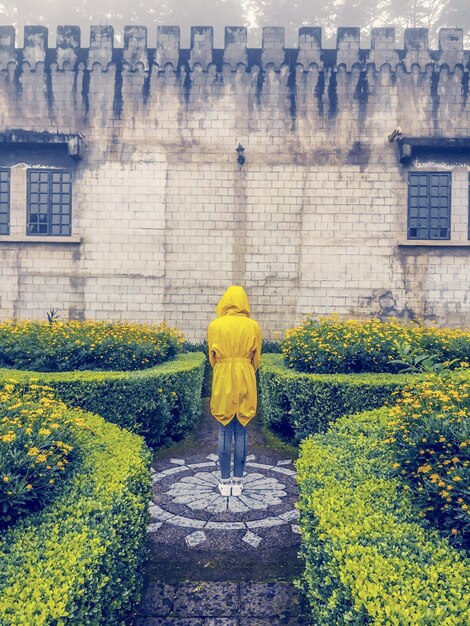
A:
221,604
222,561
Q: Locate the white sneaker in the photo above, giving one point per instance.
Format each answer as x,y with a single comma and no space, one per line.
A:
237,488
224,489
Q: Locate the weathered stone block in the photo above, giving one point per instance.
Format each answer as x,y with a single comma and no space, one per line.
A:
201,46
168,46
135,46
7,45
35,44
348,41
309,46
67,41
451,47
101,46
416,48
383,47
235,46
273,46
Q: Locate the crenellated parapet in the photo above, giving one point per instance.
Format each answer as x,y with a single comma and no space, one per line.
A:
307,88
136,54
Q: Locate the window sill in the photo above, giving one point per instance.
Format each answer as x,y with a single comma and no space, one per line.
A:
40,239
434,243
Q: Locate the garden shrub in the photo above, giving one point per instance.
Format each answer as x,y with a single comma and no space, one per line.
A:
37,444
296,404
161,403
331,346
369,557
79,559
201,346
89,345
429,438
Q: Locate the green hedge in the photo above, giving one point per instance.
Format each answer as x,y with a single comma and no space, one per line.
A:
296,404
79,560
160,403
368,557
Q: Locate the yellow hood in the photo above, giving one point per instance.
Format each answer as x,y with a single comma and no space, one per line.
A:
234,302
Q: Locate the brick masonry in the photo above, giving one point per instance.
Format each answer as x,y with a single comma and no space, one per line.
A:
164,218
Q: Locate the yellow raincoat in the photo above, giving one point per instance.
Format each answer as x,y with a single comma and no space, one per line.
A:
234,353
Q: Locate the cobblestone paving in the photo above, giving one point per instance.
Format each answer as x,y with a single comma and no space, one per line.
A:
222,604
222,561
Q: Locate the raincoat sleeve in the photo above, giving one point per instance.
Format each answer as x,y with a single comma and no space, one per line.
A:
257,350
210,337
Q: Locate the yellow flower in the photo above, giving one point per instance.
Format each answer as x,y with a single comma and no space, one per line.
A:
8,438
29,486
424,469
6,479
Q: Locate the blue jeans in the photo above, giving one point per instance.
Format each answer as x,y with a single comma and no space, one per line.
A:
238,432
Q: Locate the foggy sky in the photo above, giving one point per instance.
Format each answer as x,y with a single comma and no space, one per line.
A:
254,14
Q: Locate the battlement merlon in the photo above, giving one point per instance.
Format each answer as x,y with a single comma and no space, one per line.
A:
135,54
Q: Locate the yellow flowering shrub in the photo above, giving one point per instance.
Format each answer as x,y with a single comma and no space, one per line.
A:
78,560
369,559
329,345
89,345
429,436
37,444
162,403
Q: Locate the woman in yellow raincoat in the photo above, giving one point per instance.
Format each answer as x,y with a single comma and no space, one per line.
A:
234,352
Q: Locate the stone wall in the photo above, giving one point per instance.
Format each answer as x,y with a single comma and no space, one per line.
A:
164,218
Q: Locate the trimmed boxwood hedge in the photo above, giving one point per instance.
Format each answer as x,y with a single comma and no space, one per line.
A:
369,556
161,403
79,560
296,404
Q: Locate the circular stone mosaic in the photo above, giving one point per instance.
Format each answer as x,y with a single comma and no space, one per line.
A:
201,492
186,495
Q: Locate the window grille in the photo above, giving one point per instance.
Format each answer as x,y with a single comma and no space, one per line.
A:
49,196
4,201
429,198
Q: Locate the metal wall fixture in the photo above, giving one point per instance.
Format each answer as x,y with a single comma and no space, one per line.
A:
396,134
240,150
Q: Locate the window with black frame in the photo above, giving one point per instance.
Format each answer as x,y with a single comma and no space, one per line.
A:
49,194
4,201
429,202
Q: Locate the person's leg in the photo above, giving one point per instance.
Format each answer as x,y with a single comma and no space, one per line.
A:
224,449
241,443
